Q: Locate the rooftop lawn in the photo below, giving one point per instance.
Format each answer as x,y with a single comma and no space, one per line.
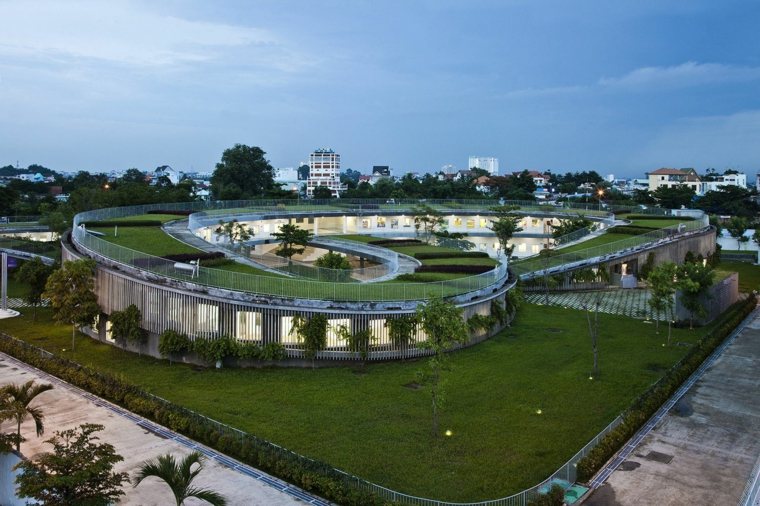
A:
656,223
368,421
749,274
163,218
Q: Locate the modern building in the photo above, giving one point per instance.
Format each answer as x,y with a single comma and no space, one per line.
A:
488,163
173,175
716,182
324,170
539,179
379,172
675,177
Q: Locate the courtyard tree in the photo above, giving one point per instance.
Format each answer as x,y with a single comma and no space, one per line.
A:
322,193
34,273
235,232
505,226
427,221
71,295
737,226
445,327
242,173
125,326
662,288
78,471
593,330
338,263
694,279
179,476
15,404
293,240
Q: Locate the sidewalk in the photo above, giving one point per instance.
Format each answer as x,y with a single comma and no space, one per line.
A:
137,440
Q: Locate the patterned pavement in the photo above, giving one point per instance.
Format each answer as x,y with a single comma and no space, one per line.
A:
627,302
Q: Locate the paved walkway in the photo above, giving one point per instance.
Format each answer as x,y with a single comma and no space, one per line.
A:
703,448
137,440
627,302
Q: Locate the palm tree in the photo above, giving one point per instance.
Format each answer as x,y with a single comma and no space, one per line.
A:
179,476
16,400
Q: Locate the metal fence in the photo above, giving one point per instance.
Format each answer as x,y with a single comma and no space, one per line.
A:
15,221
540,263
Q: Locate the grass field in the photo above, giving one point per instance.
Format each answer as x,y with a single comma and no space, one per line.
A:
370,422
656,223
749,274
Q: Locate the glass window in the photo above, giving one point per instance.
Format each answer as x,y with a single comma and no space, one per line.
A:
381,221
457,222
208,318
471,223
248,325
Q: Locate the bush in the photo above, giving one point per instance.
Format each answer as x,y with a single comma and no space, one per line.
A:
124,223
171,341
465,269
651,400
455,254
554,497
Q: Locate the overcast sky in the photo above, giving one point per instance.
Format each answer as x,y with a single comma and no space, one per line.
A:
619,87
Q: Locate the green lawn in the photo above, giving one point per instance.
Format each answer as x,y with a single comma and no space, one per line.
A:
749,274
600,240
163,218
150,240
460,261
370,422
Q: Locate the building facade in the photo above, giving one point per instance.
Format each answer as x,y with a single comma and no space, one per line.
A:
488,163
324,170
675,177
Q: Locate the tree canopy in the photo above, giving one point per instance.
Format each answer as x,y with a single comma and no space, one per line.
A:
70,291
243,173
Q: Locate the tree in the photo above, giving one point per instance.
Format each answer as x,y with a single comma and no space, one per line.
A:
234,231
445,327
293,240
737,226
79,471
125,326
243,173
34,273
570,225
694,279
336,262
593,331
504,227
674,197
322,192
179,476
662,286
16,400
426,221
70,291
312,332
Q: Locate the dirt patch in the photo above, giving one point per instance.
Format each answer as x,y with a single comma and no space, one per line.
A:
412,386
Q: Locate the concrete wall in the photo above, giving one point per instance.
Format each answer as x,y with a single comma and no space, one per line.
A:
719,297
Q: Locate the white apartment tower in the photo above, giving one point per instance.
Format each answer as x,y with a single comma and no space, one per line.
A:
324,170
488,163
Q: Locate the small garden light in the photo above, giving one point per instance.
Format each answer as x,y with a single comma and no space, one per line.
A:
538,411
449,433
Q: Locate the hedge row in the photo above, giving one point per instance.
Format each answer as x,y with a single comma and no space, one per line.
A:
202,255
455,268
314,476
650,401
174,212
124,223
632,230
454,254
396,242
658,217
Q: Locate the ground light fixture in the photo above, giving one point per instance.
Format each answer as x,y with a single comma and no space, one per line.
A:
449,432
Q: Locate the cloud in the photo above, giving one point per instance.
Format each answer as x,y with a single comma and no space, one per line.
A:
127,33
684,75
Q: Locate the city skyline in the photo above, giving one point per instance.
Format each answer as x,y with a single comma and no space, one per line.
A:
620,89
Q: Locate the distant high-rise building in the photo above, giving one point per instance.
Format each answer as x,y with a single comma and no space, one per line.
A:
488,163
324,170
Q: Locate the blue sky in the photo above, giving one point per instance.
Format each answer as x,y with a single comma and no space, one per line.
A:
619,87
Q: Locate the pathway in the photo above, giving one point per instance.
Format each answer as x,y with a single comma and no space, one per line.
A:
137,439
627,302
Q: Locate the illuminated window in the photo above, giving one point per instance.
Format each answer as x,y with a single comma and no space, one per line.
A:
522,247
471,223
286,334
333,330
248,325
535,248
483,223
394,222
457,222
380,333
109,331
366,223
381,221
407,222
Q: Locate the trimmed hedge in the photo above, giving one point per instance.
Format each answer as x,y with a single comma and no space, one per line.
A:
658,217
456,254
311,475
396,242
650,401
124,223
466,269
174,212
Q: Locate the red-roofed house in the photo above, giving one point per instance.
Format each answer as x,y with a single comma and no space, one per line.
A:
675,177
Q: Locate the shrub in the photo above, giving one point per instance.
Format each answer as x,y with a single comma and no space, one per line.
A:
464,269
481,322
555,496
124,223
171,341
273,351
249,351
455,254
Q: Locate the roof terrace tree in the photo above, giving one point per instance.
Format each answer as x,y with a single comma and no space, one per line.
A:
293,240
